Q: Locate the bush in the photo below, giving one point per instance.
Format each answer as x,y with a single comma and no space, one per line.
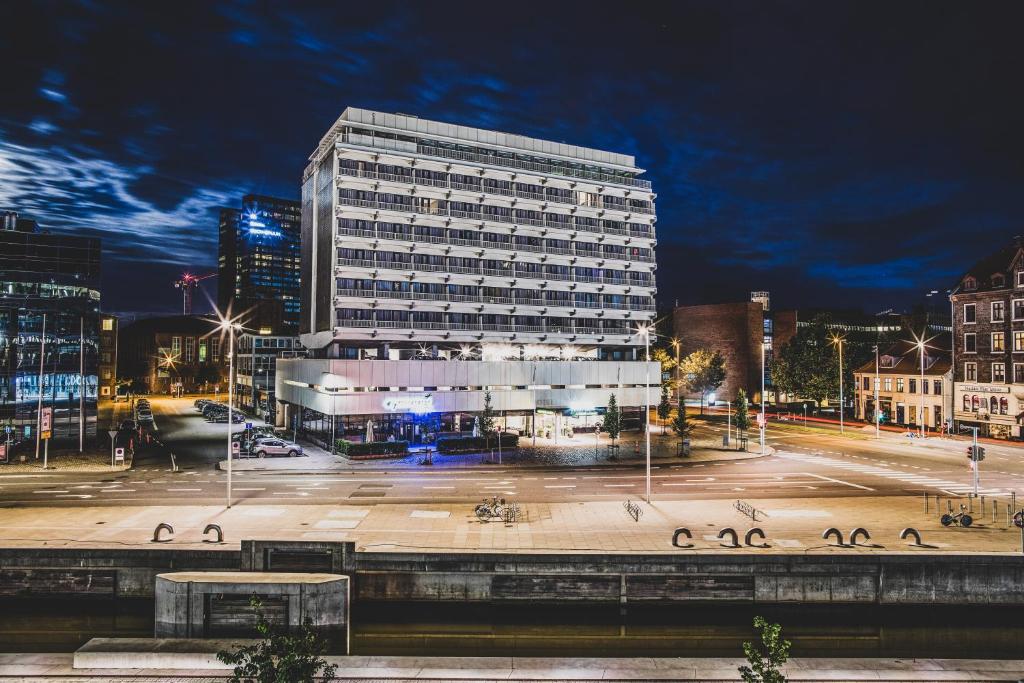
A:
475,444
355,449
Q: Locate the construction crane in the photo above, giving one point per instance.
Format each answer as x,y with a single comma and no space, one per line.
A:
187,283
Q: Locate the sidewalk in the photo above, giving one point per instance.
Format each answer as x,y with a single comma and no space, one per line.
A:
66,461
790,526
380,668
565,452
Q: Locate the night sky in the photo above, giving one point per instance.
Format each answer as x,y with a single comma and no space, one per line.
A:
834,153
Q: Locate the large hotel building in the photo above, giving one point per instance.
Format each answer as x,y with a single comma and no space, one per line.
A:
440,262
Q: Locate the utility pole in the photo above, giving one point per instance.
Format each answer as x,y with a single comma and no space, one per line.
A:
877,410
921,349
39,407
763,423
81,384
842,430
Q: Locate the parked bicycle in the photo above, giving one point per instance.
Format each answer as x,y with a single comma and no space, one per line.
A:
959,519
491,509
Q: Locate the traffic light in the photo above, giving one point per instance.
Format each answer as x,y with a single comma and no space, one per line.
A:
975,453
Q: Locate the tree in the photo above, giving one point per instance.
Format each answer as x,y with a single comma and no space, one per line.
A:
766,658
612,419
703,371
680,425
742,408
807,366
487,426
664,407
279,657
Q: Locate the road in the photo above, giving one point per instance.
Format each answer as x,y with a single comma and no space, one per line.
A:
807,464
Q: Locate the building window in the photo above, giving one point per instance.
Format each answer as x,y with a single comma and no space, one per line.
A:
1018,341
970,343
202,351
176,346
970,372
1018,373
888,383
998,311
970,284
867,383
998,280
993,405
1020,278
190,348
108,324
1018,309
1004,406
899,384
998,341
967,403
913,385
937,387
215,350
924,386
999,372
970,314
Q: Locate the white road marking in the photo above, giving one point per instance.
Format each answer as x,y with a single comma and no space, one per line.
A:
562,486
184,490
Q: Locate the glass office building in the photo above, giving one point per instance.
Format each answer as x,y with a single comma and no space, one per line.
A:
259,263
56,276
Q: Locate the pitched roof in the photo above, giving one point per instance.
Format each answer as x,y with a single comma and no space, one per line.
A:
908,362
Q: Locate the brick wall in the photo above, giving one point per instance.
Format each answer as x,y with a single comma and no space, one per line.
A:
734,330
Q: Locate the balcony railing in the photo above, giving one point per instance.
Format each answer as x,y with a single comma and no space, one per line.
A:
484,327
483,299
568,225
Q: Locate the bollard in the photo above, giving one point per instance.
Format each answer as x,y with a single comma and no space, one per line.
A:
215,528
982,509
734,541
859,531
1007,514
681,531
832,531
970,503
995,510
161,527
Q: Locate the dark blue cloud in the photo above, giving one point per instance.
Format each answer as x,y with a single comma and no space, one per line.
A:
847,153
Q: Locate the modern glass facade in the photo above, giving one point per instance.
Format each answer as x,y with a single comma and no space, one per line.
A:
259,263
56,276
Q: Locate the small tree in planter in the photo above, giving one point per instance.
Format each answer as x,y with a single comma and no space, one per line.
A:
664,407
487,426
742,407
681,427
613,422
766,658
279,656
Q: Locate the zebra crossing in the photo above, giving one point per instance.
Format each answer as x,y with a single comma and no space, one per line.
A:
918,480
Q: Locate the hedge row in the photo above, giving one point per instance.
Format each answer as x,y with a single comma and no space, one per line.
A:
355,449
475,444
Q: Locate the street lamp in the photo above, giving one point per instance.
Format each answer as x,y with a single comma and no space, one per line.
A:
645,331
679,400
921,343
878,414
837,341
229,325
763,422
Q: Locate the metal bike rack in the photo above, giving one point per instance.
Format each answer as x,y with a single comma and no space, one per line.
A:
160,527
216,528
681,531
832,531
756,531
729,531
911,531
633,510
859,531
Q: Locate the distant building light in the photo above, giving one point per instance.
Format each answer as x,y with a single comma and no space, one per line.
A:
265,330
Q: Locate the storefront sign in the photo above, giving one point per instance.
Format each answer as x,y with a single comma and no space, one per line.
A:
45,422
409,404
983,389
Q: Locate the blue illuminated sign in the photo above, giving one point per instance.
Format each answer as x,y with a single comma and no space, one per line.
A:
258,228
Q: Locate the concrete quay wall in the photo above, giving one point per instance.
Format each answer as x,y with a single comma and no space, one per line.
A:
885,579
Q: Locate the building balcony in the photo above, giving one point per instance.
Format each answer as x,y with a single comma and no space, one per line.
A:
564,330
494,300
402,146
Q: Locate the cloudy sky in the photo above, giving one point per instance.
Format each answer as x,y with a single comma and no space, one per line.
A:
835,153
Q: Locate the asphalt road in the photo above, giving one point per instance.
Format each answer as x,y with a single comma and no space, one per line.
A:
808,464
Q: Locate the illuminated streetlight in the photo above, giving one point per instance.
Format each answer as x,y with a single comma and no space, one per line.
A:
921,343
645,331
229,325
837,341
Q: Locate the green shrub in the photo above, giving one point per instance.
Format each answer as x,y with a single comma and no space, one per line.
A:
475,444
355,449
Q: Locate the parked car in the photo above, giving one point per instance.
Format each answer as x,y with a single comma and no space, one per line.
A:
272,447
128,426
200,402
223,417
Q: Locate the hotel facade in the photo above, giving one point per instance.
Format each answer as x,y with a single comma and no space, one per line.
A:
443,262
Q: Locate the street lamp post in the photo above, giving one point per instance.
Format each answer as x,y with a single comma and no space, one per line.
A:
920,348
229,325
877,412
679,400
763,423
838,342
645,332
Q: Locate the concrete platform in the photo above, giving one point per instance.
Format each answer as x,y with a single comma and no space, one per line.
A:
156,660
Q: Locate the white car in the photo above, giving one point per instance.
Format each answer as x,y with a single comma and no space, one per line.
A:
269,446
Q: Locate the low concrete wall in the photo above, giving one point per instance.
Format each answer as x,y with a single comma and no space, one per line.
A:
917,578
128,573
637,579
